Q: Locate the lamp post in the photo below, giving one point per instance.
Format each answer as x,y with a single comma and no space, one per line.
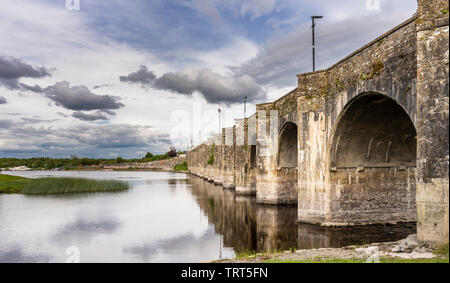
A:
219,119
245,107
313,45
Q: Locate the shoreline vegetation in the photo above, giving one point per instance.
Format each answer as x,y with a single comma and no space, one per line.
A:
20,185
350,254
74,162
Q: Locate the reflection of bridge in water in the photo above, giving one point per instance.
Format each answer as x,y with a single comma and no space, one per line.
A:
246,226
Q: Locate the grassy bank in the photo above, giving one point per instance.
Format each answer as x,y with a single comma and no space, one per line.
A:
13,184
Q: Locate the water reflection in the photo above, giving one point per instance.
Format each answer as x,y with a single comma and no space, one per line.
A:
233,217
315,236
164,217
276,228
247,226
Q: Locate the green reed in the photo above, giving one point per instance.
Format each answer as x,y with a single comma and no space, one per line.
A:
72,185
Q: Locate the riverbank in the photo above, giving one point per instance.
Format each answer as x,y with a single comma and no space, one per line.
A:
403,251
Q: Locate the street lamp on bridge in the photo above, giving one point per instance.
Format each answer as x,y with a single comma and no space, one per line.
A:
219,120
313,45
245,107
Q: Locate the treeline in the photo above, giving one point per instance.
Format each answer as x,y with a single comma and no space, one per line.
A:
47,163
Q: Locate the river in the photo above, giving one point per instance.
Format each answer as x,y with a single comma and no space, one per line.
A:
164,217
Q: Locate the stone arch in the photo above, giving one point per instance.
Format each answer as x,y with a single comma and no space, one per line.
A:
372,162
252,156
288,146
373,130
286,172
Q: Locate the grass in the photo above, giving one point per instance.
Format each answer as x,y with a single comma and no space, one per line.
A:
382,260
12,184
181,167
441,250
334,260
271,257
248,254
71,185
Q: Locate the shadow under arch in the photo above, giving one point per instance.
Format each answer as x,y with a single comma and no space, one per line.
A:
286,180
288,146
372,162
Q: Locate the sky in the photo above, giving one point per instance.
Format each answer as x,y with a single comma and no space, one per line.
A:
109,78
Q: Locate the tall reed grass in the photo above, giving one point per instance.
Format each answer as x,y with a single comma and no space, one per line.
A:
72,185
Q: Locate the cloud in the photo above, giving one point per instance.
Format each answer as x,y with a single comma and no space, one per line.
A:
3,100
214,87
252,8
22,139
110,136
142,76
207,8
17,254
5,124
34,88
256,8
89,117
282,58
12,69
80,98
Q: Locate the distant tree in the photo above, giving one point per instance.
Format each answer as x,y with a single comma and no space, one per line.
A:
120,160
149,155
172,152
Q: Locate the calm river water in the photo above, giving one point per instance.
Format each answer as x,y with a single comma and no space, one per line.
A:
164,217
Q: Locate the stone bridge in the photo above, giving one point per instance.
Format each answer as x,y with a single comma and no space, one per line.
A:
364,141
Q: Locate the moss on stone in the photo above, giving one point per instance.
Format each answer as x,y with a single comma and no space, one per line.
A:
211,156
377,68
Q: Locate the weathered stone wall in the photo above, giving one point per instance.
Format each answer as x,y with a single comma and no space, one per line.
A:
244,177
432,121
228,158
276,184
